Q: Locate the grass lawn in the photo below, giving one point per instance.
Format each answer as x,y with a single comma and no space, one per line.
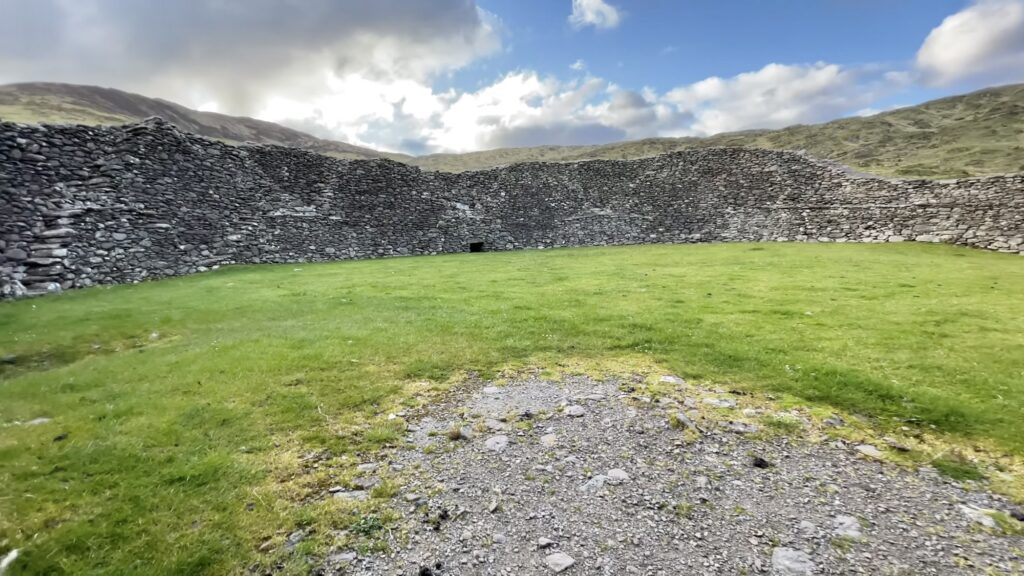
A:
184,412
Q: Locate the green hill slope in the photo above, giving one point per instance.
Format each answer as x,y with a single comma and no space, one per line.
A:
970,135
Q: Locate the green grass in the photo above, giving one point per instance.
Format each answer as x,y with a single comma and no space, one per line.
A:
957,468
54,110
187,403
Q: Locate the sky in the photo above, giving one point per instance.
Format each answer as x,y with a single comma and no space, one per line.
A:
426,76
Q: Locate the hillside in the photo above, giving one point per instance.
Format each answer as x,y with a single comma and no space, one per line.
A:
70,103
970,135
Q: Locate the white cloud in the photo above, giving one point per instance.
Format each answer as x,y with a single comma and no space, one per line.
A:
240,53
983,43
775,96
521,109
596,13
524,109
368,73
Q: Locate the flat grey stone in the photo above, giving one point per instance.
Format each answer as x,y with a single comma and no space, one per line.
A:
617,476
685,420
559,561
594,484
720,402
979,515
350,494
807,528
496,443
495,425
790,562
869,450
341,558
15,254
575,410
846,526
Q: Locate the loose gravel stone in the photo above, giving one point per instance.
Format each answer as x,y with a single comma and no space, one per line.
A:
789,562
720,402
846,526
575,411
497,443
691,505
617,476
869,451
343,494
594,484
559,561
979,516
543,543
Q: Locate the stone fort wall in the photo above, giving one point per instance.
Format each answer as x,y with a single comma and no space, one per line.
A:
86,205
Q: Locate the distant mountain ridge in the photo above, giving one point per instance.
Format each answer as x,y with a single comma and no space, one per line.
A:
47,102
975,134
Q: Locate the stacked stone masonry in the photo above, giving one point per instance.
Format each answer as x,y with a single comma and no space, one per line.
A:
86,205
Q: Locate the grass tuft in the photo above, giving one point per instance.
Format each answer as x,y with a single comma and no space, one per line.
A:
957,468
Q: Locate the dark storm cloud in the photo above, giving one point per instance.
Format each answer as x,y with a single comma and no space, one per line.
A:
233,49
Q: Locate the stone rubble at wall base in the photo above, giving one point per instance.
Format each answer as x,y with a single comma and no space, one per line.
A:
85,205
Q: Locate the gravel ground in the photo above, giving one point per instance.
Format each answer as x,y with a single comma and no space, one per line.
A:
579,477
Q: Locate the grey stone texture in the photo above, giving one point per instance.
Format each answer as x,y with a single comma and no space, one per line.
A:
83,205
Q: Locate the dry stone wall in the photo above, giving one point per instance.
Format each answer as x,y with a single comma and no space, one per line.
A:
86,205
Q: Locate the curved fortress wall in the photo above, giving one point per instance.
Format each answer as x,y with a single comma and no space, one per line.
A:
85,205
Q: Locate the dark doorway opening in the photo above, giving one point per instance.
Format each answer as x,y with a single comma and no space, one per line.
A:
476,246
